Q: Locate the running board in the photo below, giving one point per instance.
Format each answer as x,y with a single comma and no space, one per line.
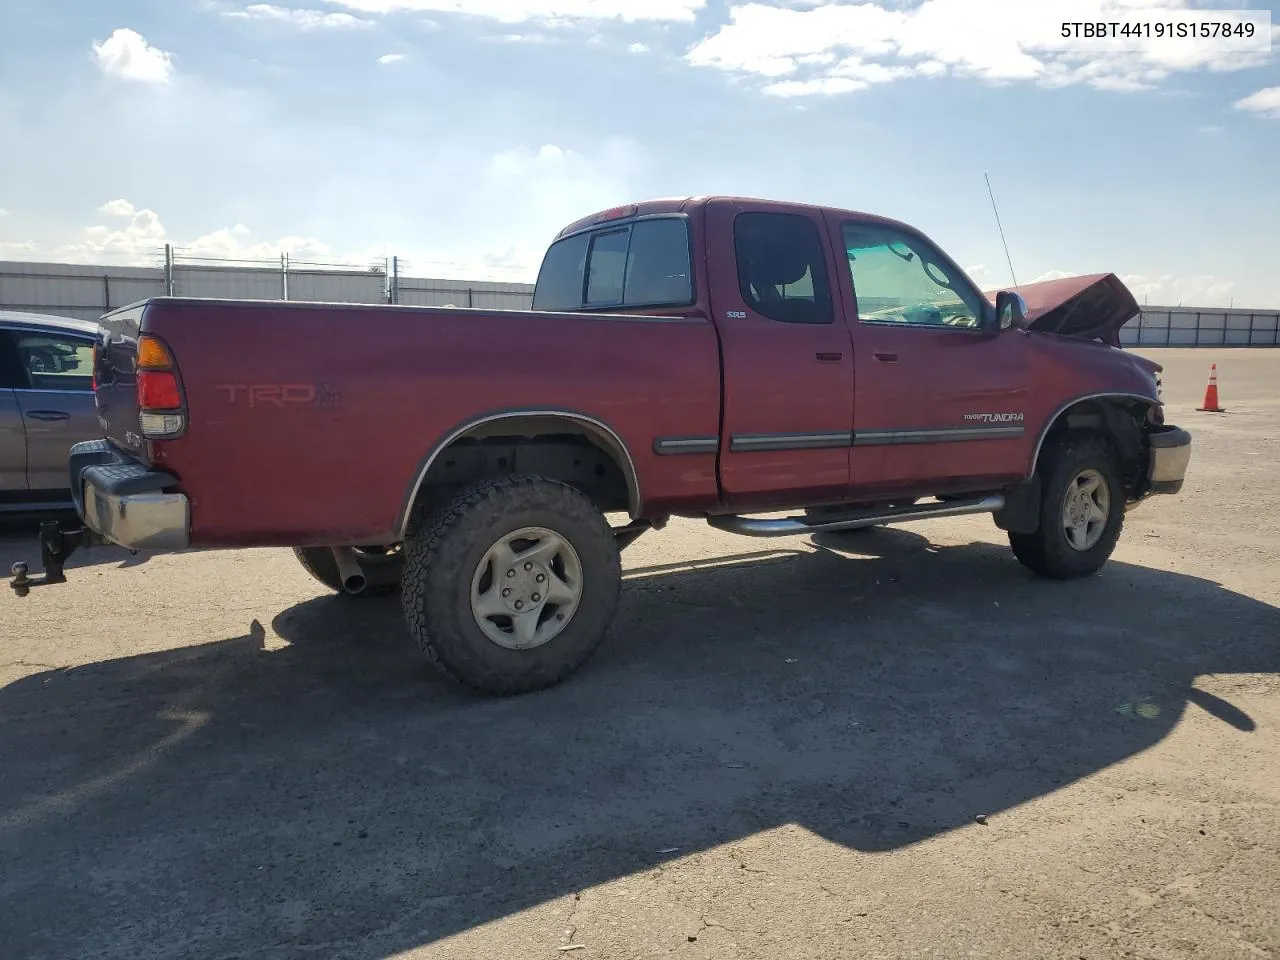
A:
794,526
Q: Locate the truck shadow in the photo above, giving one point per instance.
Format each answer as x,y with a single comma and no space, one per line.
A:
332,794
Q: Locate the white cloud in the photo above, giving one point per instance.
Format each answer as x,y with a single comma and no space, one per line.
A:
127,55
1052,275
827,86
549,185
519,11
1266,102
388,58
303,19
118,208
638,48
1169,291
3,212
813,42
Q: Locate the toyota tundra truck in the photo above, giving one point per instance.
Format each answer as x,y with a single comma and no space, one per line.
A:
775,369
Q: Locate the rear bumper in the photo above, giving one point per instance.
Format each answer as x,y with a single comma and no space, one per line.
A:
125,502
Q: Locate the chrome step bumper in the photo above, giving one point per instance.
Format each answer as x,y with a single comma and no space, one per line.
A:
125,502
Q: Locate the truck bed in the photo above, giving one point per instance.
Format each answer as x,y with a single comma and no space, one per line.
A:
297,407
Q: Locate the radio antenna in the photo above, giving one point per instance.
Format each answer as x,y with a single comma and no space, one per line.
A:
1000,227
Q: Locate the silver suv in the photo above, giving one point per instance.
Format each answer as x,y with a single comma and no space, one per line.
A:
46,405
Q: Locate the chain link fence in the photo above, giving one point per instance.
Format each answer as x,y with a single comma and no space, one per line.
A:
88,292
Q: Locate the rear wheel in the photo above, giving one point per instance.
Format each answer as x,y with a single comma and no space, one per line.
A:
382,567
513,585
1081,511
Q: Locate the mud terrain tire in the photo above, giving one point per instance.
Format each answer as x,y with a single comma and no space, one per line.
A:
1078,474
457,562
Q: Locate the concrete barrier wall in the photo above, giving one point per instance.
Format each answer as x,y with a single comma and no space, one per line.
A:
1191,327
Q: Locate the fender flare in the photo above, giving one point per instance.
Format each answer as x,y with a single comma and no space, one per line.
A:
595,427
1057,414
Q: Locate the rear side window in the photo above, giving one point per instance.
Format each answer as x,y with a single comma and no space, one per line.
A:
55,362
644,264
781,268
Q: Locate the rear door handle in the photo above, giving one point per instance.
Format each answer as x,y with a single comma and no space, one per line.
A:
48,415
886,357
830,357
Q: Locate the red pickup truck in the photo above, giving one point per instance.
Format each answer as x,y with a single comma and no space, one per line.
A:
708,357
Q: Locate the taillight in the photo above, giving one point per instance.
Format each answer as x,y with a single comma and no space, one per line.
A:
158,390
93,380
160,410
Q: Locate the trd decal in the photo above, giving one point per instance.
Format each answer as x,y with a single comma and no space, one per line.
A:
281,394
995,417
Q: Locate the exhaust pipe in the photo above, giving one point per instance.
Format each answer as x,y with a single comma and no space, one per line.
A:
353,579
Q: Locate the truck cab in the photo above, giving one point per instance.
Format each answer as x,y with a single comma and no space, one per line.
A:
858,360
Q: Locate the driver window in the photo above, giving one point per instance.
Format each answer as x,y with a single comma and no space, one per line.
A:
898,278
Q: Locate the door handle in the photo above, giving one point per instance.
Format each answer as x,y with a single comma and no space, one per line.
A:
886,357
830,357
48,415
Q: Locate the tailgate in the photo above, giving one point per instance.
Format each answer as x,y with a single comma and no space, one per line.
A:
115,380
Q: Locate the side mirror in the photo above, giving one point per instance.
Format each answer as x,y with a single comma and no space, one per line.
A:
1011,310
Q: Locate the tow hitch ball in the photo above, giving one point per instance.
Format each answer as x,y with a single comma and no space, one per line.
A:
56,546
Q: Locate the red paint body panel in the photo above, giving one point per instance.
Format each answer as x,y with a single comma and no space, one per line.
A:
399,380
310,424
775,383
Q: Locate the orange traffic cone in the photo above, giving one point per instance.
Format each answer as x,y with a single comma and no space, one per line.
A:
1211,393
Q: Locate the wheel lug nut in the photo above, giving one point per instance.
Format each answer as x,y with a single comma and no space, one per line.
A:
510,574
519,604
506,593
542,578
537,597
528,566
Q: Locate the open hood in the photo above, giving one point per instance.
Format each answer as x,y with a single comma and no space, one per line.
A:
1092,307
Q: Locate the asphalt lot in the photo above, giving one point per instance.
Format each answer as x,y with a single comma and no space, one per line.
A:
784,750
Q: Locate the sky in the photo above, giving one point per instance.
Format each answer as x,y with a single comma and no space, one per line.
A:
460,135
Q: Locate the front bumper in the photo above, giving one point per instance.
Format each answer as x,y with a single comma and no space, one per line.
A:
1170,456
125,502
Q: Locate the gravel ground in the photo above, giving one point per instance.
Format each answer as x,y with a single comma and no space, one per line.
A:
894,745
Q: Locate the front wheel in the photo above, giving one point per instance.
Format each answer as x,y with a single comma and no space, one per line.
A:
512,586
1081,511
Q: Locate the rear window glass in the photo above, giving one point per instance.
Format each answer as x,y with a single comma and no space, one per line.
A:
560,280
644,264
607,268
